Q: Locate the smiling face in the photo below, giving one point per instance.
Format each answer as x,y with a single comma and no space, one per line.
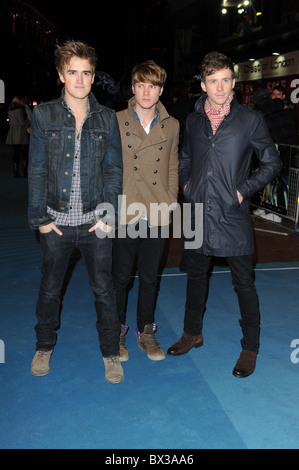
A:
218,87
78,77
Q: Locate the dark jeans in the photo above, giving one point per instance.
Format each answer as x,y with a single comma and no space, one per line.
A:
149,252
97,256
197,267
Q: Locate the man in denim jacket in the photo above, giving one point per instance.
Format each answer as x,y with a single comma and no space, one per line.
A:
75,177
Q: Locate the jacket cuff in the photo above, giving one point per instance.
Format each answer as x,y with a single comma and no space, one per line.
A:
36,223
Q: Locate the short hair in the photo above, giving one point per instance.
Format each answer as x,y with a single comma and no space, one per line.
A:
280,88
214,61
68,50
148,72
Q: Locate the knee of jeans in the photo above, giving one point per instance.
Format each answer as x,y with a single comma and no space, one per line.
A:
48,296
121,281
244,287
103,289
147,284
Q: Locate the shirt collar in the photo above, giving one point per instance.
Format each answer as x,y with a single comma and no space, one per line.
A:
154,121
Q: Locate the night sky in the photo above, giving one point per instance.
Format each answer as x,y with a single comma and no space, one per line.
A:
101,24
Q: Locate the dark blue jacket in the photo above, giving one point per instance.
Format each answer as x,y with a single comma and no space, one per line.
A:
51,157
214,167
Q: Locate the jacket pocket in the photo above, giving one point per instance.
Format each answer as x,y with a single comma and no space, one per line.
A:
98,142
235,200
54,142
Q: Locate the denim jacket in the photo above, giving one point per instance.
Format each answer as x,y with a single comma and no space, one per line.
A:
51,156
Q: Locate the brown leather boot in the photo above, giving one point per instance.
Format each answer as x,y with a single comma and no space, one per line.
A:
184,344
245,364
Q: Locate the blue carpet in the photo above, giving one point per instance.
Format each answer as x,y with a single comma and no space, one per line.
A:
188,402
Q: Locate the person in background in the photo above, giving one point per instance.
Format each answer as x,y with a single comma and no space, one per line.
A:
279,113
18,136
150,138
214,168
75,177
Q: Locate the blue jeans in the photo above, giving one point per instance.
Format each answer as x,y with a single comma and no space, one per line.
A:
198,269
56,251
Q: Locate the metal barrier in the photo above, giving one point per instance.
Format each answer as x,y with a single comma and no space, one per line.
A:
281,196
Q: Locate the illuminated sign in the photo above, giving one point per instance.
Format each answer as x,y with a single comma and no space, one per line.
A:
268,67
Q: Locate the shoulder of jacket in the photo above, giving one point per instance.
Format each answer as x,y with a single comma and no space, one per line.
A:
170,119
248,112
122,112
106,110
123,116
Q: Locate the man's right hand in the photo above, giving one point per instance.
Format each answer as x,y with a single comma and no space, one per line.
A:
49,227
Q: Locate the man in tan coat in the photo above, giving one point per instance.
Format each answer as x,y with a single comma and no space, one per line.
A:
150,186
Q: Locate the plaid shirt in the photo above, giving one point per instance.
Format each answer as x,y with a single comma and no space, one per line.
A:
216,117
75,215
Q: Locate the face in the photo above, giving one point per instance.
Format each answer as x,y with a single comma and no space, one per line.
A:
277,94
77,76
218,87
146,94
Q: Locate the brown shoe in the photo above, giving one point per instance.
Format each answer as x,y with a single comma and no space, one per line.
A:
148,342
184,344
245,364
40,365
114,373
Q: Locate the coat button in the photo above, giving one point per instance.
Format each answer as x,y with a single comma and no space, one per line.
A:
66,172
160,148
129,146
69,136
128,133
157,159
135,156
155,171
64,190
154,182
68,154
126,123
135,168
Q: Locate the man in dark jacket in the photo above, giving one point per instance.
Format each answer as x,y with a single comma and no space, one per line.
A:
215,159
75,177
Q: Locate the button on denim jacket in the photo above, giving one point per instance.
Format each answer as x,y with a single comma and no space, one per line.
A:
51,154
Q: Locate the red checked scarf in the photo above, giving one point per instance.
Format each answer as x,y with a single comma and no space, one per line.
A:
216,117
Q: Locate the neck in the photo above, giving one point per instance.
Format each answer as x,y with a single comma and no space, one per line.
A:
145,115
78,106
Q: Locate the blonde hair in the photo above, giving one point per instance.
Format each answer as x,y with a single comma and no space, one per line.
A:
70,49
148,72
